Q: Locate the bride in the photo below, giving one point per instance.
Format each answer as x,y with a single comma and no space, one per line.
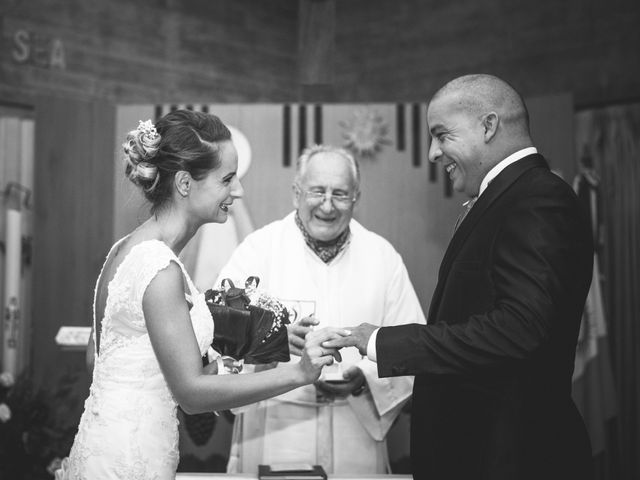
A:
151,326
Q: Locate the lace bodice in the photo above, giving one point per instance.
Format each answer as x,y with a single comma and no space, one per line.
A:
129,428
123,320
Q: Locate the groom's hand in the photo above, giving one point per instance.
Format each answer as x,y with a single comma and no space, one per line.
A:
298,331
359,338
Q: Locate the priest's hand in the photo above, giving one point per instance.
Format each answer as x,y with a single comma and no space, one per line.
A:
354,384
297,332
359,338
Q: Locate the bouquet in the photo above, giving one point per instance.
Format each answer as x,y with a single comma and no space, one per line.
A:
249,325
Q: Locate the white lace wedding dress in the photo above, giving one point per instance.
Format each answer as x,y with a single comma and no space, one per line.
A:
129,428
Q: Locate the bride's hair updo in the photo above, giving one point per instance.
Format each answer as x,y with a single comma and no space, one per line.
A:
181,140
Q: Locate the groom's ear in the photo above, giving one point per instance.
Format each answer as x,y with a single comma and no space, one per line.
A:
490,122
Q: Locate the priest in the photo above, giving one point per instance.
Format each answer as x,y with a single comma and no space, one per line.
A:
330,271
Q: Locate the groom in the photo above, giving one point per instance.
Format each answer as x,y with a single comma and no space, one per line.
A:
493,365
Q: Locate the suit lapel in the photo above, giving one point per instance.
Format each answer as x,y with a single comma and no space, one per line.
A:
496,188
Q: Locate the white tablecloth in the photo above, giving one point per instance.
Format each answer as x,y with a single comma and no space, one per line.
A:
228,476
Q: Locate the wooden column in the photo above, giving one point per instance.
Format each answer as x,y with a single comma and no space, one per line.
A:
316,46
73,223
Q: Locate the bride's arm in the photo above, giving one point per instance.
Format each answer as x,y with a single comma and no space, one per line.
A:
167,317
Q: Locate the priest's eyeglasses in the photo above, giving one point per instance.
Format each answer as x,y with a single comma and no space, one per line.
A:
318,197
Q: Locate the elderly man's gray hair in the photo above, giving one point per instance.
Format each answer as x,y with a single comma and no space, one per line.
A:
305,156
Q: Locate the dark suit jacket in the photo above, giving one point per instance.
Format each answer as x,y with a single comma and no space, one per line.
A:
493,365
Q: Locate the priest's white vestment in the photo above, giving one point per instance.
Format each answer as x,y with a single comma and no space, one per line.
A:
366,282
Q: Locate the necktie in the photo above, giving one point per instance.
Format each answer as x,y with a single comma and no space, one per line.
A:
467,208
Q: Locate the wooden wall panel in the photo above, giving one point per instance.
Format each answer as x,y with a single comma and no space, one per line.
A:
404,51
316,37
287,51
73,203
133,52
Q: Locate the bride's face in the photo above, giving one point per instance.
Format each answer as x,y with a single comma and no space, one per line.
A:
212,196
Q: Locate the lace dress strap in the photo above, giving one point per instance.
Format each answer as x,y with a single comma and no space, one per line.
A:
193,290
152,257
155,256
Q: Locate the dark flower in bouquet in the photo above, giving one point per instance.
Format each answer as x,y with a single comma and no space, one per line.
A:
249,324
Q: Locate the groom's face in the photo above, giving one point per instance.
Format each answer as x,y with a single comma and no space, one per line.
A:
457,140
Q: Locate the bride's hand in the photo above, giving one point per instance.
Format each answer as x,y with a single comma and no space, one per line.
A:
315,356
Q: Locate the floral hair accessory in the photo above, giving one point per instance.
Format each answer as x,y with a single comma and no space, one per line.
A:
140,148
148,130
148,138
